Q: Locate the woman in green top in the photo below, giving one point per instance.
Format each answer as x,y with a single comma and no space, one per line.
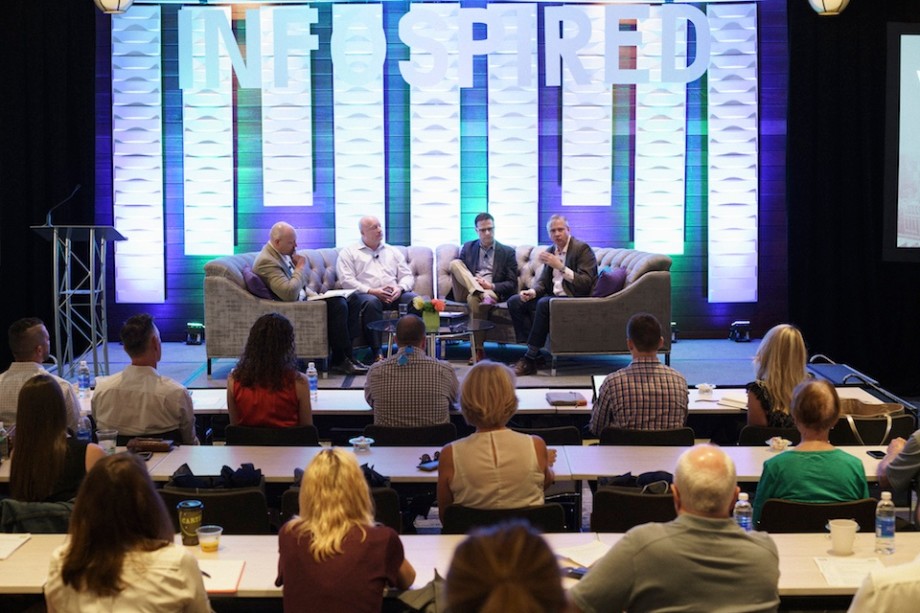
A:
813,471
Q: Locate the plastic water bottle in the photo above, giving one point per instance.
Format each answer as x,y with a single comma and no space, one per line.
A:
83,379
313,380
85,429
744,512
4,443
884,525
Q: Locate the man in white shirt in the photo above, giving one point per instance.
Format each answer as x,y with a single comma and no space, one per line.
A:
139,401
380,275
30,345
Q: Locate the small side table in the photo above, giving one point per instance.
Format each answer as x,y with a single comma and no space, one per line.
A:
455,331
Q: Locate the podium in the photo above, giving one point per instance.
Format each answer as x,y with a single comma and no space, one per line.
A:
79,292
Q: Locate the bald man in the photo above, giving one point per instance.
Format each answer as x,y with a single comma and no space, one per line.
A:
283,271
712,564
380,274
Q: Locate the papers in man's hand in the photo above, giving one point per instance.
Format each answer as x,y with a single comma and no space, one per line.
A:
10,543
332,293
847,572
582,555
734,401
221,576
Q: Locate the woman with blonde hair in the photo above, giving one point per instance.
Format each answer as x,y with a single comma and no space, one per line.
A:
120,554
495,467
333,553
508,567
780,366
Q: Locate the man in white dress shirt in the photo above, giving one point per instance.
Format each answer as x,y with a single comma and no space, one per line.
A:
30,345
139,401
380,275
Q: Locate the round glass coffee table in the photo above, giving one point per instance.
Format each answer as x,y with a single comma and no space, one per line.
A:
450,329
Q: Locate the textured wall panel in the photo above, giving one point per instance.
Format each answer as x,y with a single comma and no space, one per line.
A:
360,151
514,130
434,136
733,153
207,148
661,144
137,155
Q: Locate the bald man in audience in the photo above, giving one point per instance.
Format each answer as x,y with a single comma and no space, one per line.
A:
701,561
30,345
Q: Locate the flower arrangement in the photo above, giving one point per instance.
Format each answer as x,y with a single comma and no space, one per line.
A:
428,305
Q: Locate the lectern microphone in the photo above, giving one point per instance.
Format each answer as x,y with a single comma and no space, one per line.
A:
61,203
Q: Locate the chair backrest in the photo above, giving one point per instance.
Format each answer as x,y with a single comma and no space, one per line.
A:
872,430
296,436
458,519
238,511
386,506
34,517
560,435
173,435
619,509
437,435
755,436
787,516
679,437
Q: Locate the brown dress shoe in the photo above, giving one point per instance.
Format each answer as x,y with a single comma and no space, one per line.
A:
524,367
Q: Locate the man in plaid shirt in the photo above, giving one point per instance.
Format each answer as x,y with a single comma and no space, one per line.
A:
410,388
646,395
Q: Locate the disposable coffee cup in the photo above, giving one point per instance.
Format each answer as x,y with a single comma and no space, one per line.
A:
106,439
843,535
209,538
190,512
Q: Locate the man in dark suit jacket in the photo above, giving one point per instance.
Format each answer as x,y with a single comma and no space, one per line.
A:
569,270
486,273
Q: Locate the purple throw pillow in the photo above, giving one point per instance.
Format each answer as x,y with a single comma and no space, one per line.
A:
256,285
609,282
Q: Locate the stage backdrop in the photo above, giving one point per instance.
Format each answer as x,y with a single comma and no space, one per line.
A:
649,125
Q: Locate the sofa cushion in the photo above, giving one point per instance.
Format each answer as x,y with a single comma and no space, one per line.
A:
256,285
609,282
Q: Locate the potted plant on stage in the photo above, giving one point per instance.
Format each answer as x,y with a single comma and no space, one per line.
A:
430,309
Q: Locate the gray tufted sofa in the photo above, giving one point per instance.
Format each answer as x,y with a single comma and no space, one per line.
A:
230,309
585,326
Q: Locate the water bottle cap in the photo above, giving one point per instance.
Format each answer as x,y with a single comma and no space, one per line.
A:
82,363
743,497
311,365
885,495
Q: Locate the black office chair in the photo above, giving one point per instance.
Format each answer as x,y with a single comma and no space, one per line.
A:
755,436
386,506
617,509
237,511
787,516
296,436
872,430
566,493
560,435
173,435
458,519
679,437
391,436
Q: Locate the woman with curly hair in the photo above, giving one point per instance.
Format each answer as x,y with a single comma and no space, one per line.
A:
495,467
120,554
332,554
266,389
780,366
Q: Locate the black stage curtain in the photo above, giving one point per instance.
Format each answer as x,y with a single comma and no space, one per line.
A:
850,305
46,143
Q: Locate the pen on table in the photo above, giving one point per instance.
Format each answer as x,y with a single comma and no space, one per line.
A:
206,574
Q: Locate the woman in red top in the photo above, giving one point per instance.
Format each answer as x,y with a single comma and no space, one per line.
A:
265,389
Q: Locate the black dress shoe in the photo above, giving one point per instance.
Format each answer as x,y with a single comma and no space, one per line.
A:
359,368
524,367
347,367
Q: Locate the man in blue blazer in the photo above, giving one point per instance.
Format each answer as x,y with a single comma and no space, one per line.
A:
486,273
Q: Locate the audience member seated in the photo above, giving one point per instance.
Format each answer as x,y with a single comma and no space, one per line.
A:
646,395
30,345
139,401
265,389
812,471
495,467
503,568
411,388
780,366
888,590
700,561
901,465
46,464
120,555
333,554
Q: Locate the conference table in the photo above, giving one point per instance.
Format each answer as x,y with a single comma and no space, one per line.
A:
25,571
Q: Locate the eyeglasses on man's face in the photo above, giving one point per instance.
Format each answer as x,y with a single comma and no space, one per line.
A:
485,229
